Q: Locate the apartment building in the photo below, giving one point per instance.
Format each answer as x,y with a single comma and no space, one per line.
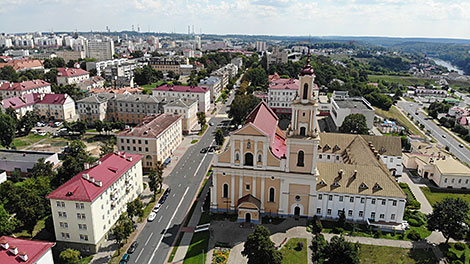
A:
133,108
185,107
71,75
342,105
100,49
56,107
93,107
85,208
281,92
165,65
10,89
156,138
24,64
214,84
202,94
15,250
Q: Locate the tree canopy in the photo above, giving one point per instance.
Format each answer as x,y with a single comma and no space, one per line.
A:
259,249
450,217
338,250
241,106
354,124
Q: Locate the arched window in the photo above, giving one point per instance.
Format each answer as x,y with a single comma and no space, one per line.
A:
305,94
249,159
225,191
237,156
271,194
302,131
300,159
248,145
148,157
260,158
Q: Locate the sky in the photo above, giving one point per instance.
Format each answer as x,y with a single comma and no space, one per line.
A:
393,18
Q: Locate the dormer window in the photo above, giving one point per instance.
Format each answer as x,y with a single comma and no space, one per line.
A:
322,182
363,186
377,187
335,184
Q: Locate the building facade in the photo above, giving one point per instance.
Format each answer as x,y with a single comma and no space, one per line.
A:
156,138
100,49
10,89
85,208
202,94
214,84
185,107
24,160
71,75
56,107
281,93
343,105
165,65
264,171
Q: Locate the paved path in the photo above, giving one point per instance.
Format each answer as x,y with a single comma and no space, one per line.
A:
415,188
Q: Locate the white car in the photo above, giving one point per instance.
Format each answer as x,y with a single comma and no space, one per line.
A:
157,208
152,216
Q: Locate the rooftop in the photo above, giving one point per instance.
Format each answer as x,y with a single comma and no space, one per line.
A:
358,103
70,72
284,84
101,175
180,88
151,127
34,249
23,86
22,64
23,155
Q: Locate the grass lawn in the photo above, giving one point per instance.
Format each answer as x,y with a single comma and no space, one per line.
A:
203,130
292,254
434,196
397,115
392,255
461,252
25,141
197,250
404,80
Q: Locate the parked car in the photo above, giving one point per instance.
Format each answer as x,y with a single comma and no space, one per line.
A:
152,216
212,148
211,124
157,208
444,136
204,150
132,247
57,124
125,258
460,145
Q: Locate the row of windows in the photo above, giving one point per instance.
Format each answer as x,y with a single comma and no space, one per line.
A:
65,225
77,205
351,199
271,196
361,214
453,180
79,215
134,148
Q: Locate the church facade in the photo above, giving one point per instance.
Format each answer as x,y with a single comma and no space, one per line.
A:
302,172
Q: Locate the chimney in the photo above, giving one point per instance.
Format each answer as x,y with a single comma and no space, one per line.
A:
86,176
87,166
14,250
340,173
354,174
4,244
23,256
98,183
92,179
129,159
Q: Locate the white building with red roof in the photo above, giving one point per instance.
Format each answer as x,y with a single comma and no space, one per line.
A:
281,92
86,207
11,89
24,251
202,94
71,75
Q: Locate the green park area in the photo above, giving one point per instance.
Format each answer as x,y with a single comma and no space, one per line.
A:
434,195
370,254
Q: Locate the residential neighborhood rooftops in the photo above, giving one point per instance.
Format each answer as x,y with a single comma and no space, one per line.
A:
90,183
23,86
151,127
70,72
180,88
33,98
32,249
22,64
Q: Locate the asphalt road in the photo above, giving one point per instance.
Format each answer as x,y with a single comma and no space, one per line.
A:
436,131
157,237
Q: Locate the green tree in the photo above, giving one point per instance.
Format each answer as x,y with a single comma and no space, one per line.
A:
56,62
201,119
450,217
8,223
75,158
8,128
259,248
342,219
219,137
107,126
317,226
51,76
9,74
42,169
135,208
98,125
171,74
156,177
122,229
338,250
106,148
354,124
318,247
137,54
69,256
241,106
27,122
80,126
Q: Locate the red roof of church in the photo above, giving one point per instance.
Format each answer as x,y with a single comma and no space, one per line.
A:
34,249
112,167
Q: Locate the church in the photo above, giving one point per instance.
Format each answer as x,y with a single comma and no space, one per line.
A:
302,172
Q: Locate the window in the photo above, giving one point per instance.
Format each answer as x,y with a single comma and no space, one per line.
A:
394,203
122,140
453,180
82,226
271,195
337,157
64,225
340,212
300,159
63,204
328,156
128,141
445,180
248,159
361,213
392,217
140,141
83,237
351,200
318,210
384,201
373,201
330,197
341,198
260,158
65,235
460,180
302,131
225,191
372,215
363,200
133,141
248,145
58,204
320,196
320,156
247,187
350,212
305,92
328,212
382,216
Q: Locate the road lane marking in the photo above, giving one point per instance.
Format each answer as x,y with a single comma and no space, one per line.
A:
166,207
169,222
148,239
174,193
139,255
160,218
179,185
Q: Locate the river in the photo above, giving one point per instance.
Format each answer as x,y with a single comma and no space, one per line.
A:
448,65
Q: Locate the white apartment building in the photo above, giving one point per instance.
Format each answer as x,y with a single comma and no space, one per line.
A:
202,94
342,106
8,89
281,93
156,138
85,208
100,49
93,107
185,107
71,75
214,83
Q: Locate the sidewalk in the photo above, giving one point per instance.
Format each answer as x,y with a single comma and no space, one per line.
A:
425,205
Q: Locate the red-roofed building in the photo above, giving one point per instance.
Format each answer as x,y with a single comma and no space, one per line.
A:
71,75
23,251
202,94
10,89
86,207
281,92
24,64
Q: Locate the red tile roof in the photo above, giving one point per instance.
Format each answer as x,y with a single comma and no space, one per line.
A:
23,86
180,88
34,249
22,64
33,98
70,72
263,118
57,99
284,84
111,168
151,127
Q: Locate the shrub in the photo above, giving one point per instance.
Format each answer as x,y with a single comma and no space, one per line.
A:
377,234
337,230
300,246
459,246
413,222
457,262
451,255
413,235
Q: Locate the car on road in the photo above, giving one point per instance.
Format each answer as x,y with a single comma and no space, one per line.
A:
157,208
204,150
132,247
167,191
444,136
416,113
212,148
211,124
125,258
460,145
152,216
